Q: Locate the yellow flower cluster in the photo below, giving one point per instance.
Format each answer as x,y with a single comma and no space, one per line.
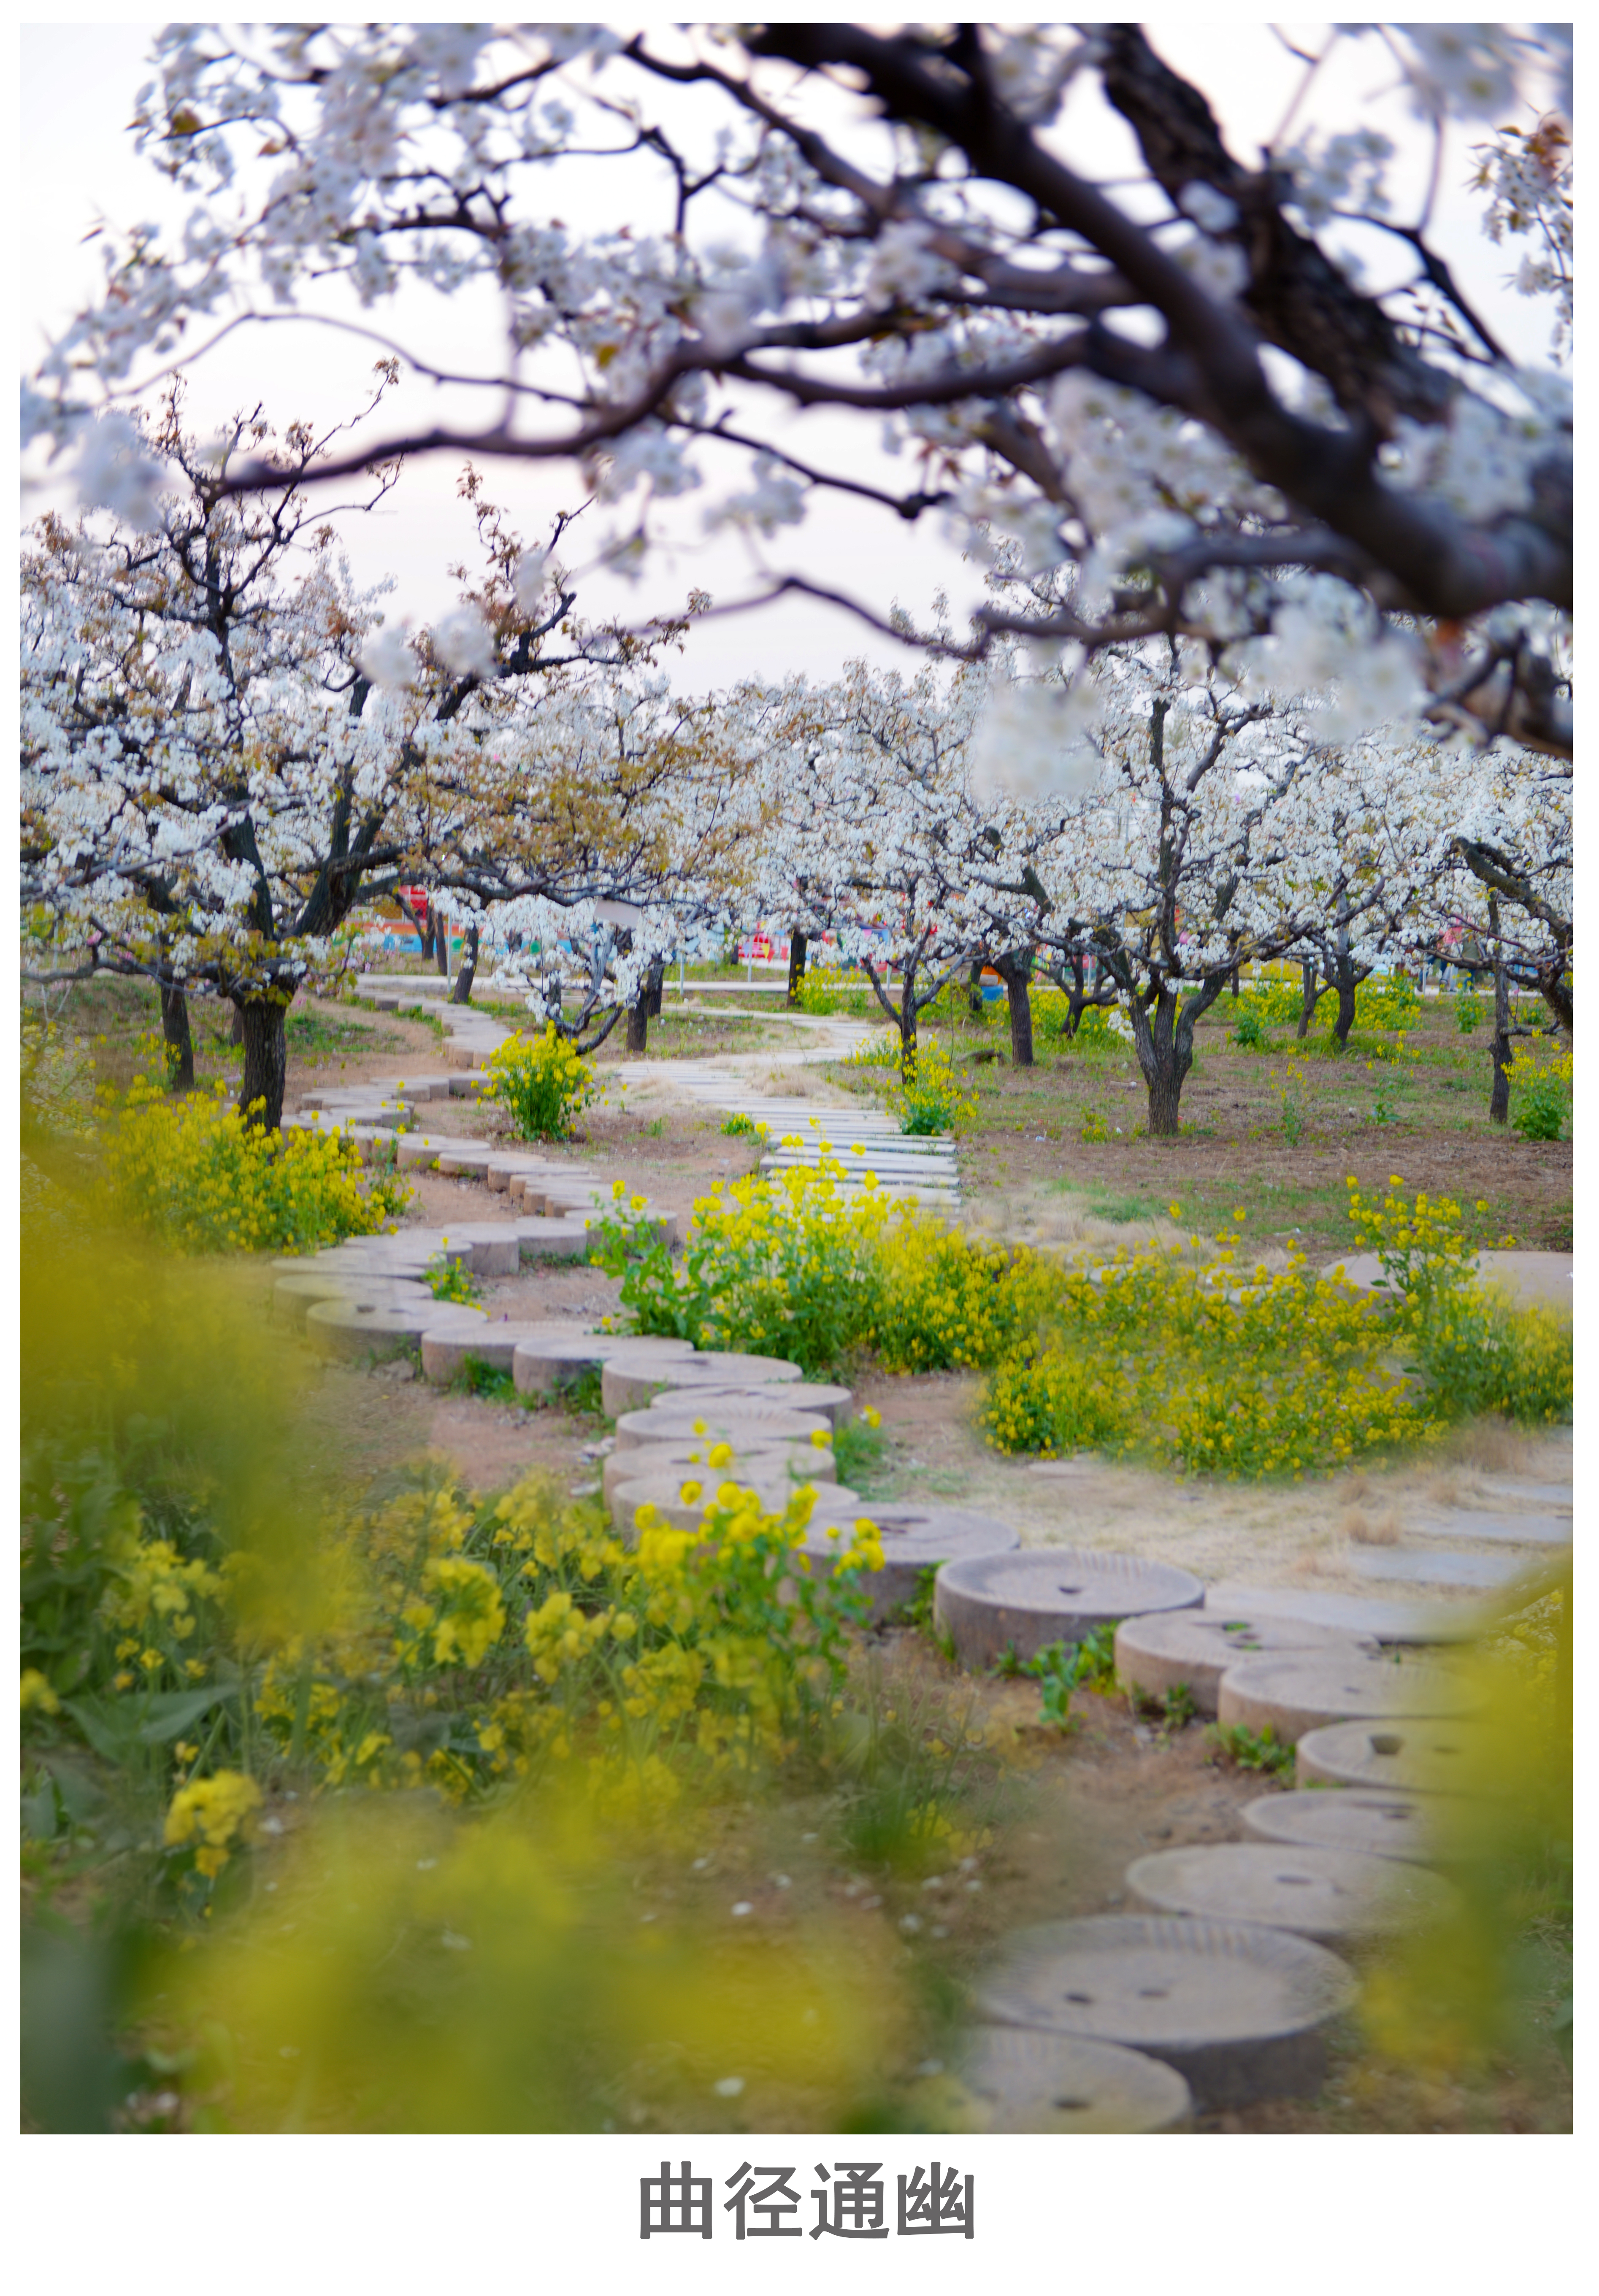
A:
194,1171
542,1082
1282,1374
217,1811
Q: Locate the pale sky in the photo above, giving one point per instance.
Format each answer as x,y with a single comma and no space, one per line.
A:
78,165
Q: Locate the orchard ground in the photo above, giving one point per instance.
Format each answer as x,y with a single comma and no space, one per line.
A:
1076,1807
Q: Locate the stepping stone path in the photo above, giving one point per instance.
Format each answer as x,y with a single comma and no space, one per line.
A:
1054,2084
1379,1824
1237,2008
1193,1649
914,1168
989,1605
1293,1692
1336,1897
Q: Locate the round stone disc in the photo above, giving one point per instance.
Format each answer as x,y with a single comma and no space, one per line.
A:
765,1463
1412,1756
542,1365
1298,1692
355,1329
1235,2007
294,1296
1333,1896
829,1402
713,1369
444,1349
732,1419
1378,1824
914,1539
1054,2084
664,1493
1196,1647
989,1603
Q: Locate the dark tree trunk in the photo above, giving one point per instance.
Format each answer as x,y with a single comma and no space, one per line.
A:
1311,995
441,947
179,1043
1233,982
974,989
461,994
235,1034
652,992
1557,991
1498,1105
266,1060
1163,1036
638,1024
797,948
1015,969
1344,981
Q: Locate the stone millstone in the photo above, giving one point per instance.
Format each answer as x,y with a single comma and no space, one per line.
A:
733,1370
1196,1648
542,1365
1236,2008
732,1419
443,1349
1054,2084
664,1493
1409,1756
1300,1690
355,1330
994,1602
494,1251
914,1540
294,1296
833,1403
1335,1895
1361,1615
1378,1824
763,1463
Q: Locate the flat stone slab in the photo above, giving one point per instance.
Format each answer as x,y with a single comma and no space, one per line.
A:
796,1463
1237,2008
731,1369
1359,1614
1498,1530
1053,2084
1408,1757
1440,1568
732,1419
1378,1824
294,1296
835,1404
1195,1648
1297,1691
1332,1895
914,1539
634,1389
665,1494
1554,1497
495,1248
444,1348
991,1604
354,1330
541,1365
